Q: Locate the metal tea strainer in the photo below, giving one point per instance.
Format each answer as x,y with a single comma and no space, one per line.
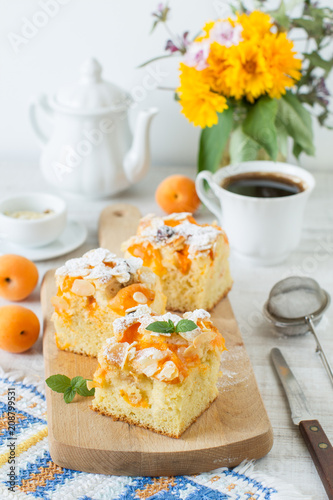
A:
295,306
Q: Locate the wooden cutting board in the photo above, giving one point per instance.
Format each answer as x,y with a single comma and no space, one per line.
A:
234,428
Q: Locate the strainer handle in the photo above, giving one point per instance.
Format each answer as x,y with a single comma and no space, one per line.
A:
319,349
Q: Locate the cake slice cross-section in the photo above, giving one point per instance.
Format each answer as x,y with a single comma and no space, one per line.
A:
94,290
161,380
190,259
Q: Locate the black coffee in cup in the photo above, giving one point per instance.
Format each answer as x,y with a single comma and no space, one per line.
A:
263,184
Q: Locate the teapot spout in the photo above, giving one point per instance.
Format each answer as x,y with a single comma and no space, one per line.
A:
137,160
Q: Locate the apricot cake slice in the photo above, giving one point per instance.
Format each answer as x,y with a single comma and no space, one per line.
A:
93,291
159,372
191,259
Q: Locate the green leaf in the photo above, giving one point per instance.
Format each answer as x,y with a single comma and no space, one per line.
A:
69,394
282,136
213,141
79,384
185,325
259,125
322,117
61,383
155,23
297,150
77,381
83,390
280,16
313,27
58,383
317,61
242,147
161,327
297,121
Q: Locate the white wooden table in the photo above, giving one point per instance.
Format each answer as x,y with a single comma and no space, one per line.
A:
289,459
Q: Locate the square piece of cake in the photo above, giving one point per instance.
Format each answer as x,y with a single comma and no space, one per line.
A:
93,291
190,259
160,380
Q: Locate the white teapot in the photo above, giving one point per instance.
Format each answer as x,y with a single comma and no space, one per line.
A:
91,151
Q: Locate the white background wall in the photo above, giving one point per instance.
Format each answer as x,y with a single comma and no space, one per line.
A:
117,33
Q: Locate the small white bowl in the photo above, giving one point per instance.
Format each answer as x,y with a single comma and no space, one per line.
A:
36,232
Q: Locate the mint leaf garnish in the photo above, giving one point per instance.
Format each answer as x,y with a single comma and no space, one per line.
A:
82,389
58,383
168,327
185,325
85,392
63,384
76,382
161,327
69,394
172,326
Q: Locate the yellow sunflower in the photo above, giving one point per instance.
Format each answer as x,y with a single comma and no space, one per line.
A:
206,29
282,64
199,104
217,64
255,25
247,72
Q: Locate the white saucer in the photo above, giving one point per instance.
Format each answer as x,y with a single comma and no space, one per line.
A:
73,236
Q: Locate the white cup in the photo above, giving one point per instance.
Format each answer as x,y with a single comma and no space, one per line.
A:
36,232
262,230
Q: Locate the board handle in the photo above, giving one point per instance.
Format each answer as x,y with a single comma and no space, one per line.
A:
117,223
321,452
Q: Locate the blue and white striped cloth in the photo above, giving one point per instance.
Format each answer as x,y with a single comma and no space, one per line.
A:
36,475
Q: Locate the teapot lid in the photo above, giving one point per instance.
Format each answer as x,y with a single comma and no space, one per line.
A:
91,92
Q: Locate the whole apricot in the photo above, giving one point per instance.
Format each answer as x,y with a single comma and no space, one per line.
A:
19,328
177,193
18,277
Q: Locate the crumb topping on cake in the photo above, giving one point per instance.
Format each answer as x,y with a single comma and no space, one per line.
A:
167,357
168,229
102,265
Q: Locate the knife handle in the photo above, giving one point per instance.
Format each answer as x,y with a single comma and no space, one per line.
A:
321,452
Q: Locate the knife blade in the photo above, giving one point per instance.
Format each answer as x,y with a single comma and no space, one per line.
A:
318,444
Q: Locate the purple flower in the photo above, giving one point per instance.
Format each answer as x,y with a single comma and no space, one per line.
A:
225,34
180,46
322,92
161,12
171,46
328,29
185,41
197,54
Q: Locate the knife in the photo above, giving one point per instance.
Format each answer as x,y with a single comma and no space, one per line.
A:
320,448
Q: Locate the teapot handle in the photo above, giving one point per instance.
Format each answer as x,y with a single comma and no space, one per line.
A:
34,104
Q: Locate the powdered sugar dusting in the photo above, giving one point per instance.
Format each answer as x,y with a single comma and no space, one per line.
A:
94,265
121,324
198,238
231,361
197,314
